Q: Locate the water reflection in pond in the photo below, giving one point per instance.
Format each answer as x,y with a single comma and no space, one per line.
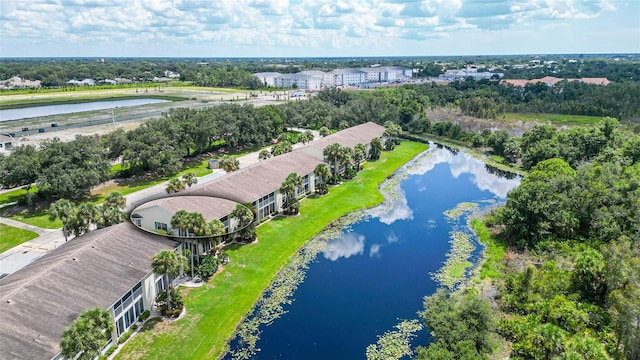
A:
378,272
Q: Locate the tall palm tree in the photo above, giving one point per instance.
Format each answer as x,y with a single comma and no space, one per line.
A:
167,263
375,149
175,185
229,163
332,153
322,171
244,217
65,211
359,154
86,214
87,335
289,188
115,199
110,212
189,179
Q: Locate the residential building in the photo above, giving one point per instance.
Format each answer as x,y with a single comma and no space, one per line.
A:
298,80
7,143
108,268
551,80
342,77
18,82
155,217
268,78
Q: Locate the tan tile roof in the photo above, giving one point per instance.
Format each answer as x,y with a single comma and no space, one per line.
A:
551,80
257,180
40,300
210,207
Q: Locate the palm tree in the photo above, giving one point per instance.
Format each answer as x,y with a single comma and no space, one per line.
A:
244,217
322,171
375,149
115,199
87,335
332,153
65,211
175,185
359,154
86,214
167,263
281,148
289,188
189,179
229,164
306,137
264,154
110,210
324,131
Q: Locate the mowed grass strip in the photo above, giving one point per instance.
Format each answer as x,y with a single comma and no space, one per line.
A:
215,309
11,236
557,119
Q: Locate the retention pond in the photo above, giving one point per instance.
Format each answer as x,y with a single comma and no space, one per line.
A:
48,110
376,273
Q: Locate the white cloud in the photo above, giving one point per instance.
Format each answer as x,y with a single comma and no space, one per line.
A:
302,27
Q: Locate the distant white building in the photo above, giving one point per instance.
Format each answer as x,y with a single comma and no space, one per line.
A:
326,79
7,143
298,80
462,74
85,82
267,78
387,73
343,77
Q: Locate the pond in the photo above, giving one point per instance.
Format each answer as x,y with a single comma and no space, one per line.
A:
48,110
377,273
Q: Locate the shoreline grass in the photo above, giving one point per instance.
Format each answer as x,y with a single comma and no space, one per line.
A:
556,119
12,236
492,266
215,309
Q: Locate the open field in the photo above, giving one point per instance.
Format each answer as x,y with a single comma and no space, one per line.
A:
11,236
555,119
215,309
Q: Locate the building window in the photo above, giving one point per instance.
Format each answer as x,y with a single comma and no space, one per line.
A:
161,226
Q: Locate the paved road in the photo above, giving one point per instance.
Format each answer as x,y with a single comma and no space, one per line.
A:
17,257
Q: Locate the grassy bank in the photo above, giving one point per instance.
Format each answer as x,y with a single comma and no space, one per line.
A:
492,263
214,310
11,236
556,119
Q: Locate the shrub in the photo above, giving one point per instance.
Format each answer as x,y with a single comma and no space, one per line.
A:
145,314
208,266
125,336
176,302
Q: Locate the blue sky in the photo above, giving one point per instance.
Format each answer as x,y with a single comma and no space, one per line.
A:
315,28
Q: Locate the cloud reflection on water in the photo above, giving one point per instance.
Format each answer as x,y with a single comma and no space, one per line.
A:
397,208
346,246
462,163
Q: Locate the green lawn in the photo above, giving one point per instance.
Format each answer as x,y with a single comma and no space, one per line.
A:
214,310
11,236
557,119
11,196
39,219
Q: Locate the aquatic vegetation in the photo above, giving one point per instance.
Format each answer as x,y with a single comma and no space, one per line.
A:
452,273
394,344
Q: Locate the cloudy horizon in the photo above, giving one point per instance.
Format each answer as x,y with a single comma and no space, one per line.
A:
316,28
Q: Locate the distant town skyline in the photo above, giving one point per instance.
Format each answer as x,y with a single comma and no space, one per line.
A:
316,28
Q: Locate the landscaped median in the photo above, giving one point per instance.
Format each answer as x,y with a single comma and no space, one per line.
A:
215,309
11,236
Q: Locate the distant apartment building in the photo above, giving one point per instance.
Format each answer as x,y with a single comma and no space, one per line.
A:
268,78
463,74
317,79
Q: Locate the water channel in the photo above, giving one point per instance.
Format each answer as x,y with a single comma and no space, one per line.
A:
377,273
48,110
